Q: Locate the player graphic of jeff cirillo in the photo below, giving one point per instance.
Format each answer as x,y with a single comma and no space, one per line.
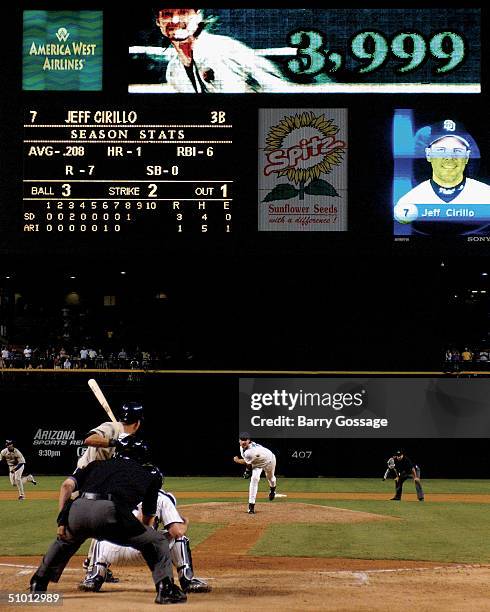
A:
448,194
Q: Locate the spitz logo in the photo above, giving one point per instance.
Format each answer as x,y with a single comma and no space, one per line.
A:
303,147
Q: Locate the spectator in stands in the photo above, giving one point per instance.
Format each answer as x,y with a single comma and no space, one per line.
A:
5,357
83,357
122,358
67,364
448,356
466,358
456,360
145,359
483,356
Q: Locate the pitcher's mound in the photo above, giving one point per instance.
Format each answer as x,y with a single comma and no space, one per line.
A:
270,512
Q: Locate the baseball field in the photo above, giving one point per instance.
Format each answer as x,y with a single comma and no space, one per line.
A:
324,544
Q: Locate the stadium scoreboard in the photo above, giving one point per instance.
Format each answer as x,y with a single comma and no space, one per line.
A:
136,127
100,170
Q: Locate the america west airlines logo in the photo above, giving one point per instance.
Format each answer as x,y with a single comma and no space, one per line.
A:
62,50
63,55
303,147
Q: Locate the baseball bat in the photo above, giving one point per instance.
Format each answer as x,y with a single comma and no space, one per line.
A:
97,391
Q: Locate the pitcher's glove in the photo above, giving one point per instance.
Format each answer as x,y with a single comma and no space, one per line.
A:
247,474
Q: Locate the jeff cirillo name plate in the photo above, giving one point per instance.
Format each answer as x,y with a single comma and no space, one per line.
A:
107,170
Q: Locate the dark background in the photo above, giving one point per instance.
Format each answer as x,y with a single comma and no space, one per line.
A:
341,301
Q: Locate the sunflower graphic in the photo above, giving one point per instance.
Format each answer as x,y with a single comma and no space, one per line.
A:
303,147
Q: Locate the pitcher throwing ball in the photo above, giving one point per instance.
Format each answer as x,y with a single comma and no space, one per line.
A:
256,458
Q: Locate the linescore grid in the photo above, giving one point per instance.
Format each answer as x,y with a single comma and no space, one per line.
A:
103,170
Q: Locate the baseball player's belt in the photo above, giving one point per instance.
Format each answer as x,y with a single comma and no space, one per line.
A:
106,496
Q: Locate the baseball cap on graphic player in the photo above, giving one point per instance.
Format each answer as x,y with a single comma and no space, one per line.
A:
400,451
244,435
428,135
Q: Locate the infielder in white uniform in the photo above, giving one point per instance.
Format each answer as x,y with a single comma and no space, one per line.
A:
174,526
257,458
16,463
448,152
209,63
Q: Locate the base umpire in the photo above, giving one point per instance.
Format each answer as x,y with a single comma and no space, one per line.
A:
108,492
405,468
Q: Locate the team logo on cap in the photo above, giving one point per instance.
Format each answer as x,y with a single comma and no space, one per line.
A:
449,125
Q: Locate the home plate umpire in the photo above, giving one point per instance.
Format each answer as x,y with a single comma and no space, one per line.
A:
108,492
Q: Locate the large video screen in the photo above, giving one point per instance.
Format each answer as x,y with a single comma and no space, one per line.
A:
441,184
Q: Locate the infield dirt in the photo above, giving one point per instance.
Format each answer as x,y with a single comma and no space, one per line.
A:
242,582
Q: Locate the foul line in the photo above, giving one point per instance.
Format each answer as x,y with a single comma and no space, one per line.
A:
403,569
68,569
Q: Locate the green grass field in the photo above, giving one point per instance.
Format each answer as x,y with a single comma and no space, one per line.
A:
439,532
325,485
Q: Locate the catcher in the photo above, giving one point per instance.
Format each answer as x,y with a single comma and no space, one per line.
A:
174,527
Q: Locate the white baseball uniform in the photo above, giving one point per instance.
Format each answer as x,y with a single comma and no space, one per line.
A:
109,553
224,65
16,462
108,430
261,459
473,192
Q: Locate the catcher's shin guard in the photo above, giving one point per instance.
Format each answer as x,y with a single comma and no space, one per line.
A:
94,579
182,558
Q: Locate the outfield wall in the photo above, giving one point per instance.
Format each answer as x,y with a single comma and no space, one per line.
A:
192,425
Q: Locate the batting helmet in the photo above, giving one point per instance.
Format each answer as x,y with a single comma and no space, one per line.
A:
131,412
154,470
131,447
